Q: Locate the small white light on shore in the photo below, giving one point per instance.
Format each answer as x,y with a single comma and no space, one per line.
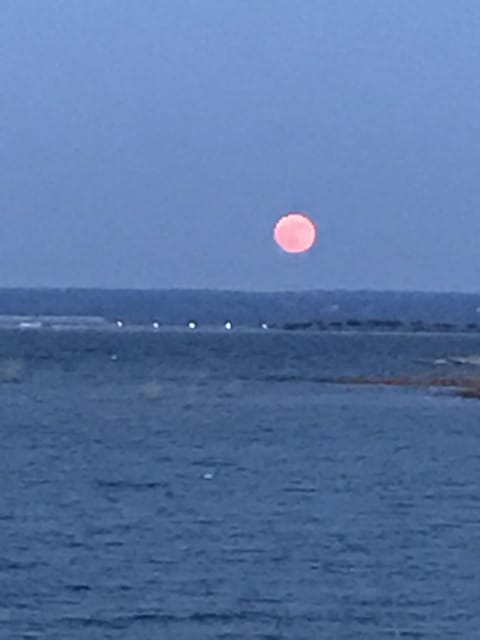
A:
119,324
156,325
264,325
228,326
192,325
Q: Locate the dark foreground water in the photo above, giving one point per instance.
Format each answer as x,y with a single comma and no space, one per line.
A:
238,496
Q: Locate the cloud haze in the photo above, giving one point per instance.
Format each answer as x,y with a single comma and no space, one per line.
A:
154,144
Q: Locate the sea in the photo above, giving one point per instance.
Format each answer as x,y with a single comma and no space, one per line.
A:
210,484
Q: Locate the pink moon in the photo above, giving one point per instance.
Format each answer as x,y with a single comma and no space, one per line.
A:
295,233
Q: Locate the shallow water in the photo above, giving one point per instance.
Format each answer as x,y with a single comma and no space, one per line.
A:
244,498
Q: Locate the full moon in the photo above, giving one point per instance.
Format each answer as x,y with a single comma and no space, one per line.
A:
295,233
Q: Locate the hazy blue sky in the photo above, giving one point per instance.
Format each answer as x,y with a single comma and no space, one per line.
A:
153,143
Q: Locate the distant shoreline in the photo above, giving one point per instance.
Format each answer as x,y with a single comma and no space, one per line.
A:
312,310
97,323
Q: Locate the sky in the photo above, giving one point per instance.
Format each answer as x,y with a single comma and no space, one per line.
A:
154,144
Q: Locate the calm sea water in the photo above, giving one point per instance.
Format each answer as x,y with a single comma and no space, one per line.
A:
199,486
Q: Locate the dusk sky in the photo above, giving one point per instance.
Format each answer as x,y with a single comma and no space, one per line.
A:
154,143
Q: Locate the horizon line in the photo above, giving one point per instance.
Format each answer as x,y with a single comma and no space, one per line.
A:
339,290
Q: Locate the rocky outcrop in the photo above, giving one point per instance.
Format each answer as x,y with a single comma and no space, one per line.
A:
464,386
